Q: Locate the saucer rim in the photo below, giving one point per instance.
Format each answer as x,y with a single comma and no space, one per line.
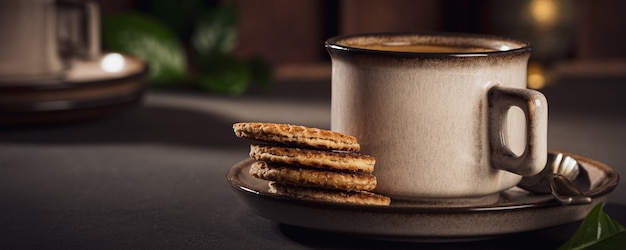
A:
249,196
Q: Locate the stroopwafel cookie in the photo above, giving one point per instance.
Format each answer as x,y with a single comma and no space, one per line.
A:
313,177
342,161
296,135
338,196
311,163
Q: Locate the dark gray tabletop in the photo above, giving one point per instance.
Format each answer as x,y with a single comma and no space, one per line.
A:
154,176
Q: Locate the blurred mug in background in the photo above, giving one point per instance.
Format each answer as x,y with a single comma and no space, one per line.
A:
40,36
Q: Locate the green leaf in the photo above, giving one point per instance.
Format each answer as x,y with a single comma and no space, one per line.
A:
597,231
261,72
142,36
212,41
615,242
216,33
230,77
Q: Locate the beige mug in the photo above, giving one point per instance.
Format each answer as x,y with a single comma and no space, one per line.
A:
448,117
40,36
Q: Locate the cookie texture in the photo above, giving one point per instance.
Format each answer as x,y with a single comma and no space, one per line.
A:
311,163
333,160
312,177
338,196
296,135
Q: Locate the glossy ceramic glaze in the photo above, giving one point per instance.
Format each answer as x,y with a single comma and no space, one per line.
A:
439,123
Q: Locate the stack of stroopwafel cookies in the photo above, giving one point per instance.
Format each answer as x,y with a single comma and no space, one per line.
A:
311,163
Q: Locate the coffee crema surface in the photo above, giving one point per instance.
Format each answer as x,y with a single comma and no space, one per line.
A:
421,48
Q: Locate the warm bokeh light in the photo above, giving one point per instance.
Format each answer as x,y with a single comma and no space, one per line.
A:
544,12
112,62
536,76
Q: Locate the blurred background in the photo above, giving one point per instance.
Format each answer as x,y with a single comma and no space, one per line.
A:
85,52
571,38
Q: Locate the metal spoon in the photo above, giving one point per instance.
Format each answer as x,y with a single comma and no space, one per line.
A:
562,177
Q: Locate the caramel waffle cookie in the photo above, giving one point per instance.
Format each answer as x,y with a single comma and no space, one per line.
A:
313,177
333,160
337,196
296,135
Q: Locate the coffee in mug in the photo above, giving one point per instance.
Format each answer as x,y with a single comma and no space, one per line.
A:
421,48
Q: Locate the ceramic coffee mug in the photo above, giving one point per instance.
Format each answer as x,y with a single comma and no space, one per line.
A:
39,36
448,117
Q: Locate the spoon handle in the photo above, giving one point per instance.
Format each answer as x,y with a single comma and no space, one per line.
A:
565,191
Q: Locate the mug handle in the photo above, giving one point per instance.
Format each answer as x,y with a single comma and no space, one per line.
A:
84,41
535,107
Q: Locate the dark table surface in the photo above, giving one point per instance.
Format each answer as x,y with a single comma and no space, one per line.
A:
153,177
